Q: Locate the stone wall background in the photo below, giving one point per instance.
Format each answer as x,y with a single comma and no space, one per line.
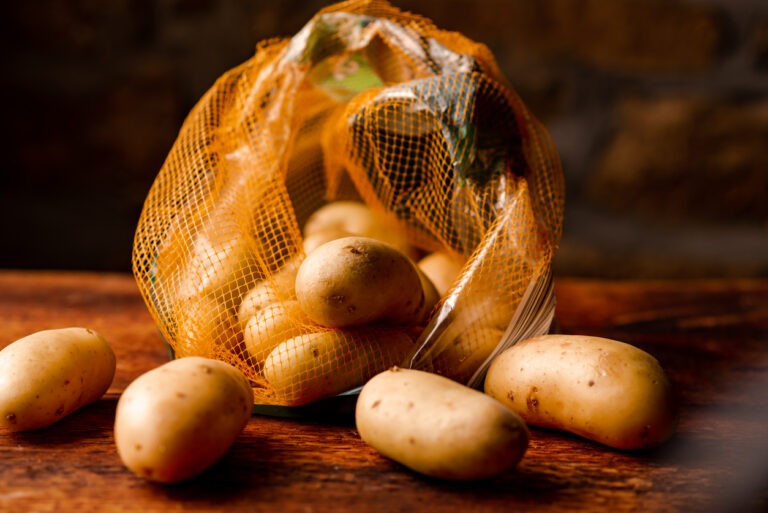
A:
659,109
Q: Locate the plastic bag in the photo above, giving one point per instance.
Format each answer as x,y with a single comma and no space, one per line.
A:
365,103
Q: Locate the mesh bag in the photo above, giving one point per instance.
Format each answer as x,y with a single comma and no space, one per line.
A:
367,104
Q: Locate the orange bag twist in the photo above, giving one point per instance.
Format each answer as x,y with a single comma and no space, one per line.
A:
365,103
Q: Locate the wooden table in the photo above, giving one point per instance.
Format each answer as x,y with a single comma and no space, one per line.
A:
711,336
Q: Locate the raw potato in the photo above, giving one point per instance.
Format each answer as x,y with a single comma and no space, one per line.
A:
206,327
359,280
350,218
47,375
271,325
601,389
317,365
438,427
280,286
176,420
478,325
441,269
466,353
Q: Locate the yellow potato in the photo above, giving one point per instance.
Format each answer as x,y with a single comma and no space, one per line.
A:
317,365
438,427
471,336
359,280
176,420
441,269
280,286
206,327
348,218
601,389
271,325
461,357
47,375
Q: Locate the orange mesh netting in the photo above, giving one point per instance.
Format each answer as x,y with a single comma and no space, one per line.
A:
369,104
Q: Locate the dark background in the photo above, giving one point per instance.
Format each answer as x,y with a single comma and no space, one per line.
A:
659,109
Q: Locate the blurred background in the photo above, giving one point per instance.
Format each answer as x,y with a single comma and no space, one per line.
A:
659,109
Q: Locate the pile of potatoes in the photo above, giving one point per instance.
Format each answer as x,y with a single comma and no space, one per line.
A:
352,308
345,317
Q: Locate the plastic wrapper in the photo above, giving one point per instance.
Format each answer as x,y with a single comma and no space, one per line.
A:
369,104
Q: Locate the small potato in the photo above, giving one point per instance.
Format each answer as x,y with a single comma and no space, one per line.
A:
176,420
441,269
206,327
271,325
317,365
280,286
601,389
359,280
466,353
47,375
350,218
476,328
438,427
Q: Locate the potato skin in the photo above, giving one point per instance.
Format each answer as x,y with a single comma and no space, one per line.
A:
318,365
176,420
273,324
48,375
349,218
441,269
439,427
358,280
604,390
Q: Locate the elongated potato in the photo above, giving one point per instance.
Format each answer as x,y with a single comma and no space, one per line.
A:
359,280
272,325
47,375
178,419
601,389
438,427
317,365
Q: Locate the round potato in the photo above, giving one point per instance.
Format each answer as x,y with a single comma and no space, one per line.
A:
47,375
601,389
317,365
350,218
206,327
280,286
178,419
359,280
438,427
441,269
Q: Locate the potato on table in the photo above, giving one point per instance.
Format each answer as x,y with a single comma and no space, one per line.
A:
176,420
604,390
438,427
47,375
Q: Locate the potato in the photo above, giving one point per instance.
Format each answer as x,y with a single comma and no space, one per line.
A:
359,280
601,389
461,357
438,427
477,326
317,365
441,269
47,375
206,327
350,218
176,420
273,324
278,287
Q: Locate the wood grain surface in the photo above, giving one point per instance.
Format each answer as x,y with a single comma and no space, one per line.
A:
711,336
